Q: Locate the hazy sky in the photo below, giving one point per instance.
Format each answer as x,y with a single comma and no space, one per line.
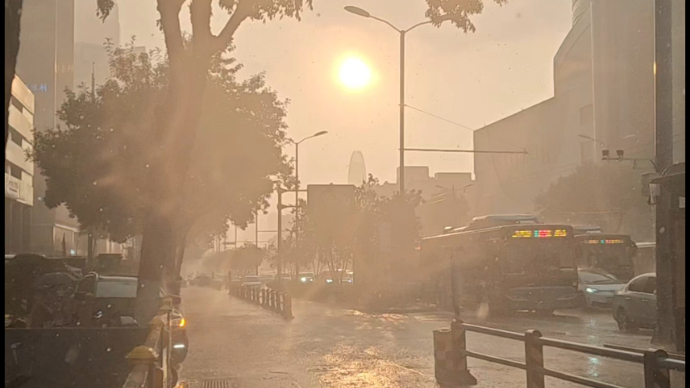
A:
472,79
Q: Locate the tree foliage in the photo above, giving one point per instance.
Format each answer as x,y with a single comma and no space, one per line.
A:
97,165
604,194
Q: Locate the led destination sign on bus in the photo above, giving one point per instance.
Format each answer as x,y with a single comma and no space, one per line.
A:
540,233
604,242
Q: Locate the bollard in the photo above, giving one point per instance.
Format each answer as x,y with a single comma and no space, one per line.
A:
654,376
281,302
287,312
534,359
457,367
442,347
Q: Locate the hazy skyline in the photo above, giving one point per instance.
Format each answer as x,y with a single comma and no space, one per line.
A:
473,79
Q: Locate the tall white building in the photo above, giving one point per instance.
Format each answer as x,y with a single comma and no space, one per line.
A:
19,172
357,171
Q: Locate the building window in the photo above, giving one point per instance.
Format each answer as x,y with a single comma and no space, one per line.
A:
586,115
17,104
16,136
15,171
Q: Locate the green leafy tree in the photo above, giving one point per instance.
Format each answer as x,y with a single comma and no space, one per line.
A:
604,194
98,165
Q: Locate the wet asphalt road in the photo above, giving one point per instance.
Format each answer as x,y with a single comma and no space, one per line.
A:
236,344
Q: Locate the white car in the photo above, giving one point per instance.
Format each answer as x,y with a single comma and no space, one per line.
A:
598,286
251,281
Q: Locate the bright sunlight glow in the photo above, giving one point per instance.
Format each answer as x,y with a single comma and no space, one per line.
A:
354,73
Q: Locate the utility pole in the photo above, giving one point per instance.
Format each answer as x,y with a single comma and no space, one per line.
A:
663,135
279,243
401,179
256,236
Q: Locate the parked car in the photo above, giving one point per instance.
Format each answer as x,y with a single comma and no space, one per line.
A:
635,304
598,286
111,302
251,281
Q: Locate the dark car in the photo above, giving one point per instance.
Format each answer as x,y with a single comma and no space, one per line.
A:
110,300
634,305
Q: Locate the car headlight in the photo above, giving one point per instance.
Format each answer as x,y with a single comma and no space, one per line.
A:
303,280
591,290
329,280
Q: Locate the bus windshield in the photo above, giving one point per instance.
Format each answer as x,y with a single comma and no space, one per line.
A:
607,255
536,256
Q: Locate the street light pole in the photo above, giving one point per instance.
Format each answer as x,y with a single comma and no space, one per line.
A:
297,190
401,178
363,13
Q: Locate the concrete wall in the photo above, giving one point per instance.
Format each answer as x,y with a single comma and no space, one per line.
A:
508,183
623,75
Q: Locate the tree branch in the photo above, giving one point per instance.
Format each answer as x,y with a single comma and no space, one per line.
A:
170,23
223,39
200,11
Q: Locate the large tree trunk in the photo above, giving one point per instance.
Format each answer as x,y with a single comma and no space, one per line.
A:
157,247
176,129
13,13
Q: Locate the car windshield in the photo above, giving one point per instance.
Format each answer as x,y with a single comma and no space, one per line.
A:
324,184
589,277
117,288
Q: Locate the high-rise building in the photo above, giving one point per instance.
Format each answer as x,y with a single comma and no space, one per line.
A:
357,172
46,55
46,65
19,172
90,36
603,99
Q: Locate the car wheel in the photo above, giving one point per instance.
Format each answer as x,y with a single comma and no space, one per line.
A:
624,323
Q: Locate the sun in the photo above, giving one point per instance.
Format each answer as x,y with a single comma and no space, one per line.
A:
354,73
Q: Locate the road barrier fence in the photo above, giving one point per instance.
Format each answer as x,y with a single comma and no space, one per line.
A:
277,301
451,369
150,363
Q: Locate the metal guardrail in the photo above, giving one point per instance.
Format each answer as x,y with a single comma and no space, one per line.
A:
450,355
276,301
150,365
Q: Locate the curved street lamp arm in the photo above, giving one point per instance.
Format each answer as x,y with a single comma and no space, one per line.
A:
417,25
388,23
